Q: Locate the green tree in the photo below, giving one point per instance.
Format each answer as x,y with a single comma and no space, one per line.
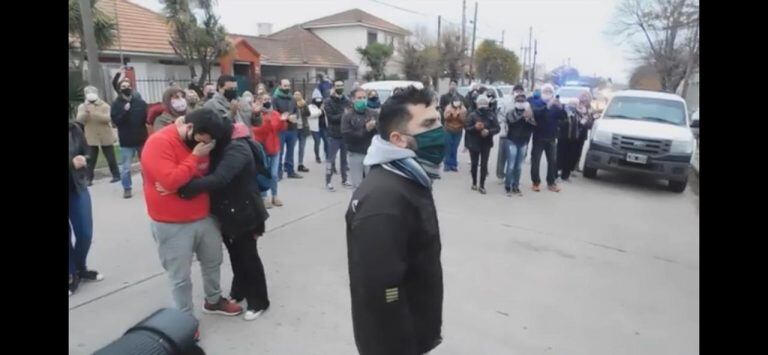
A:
104,29
495,63
197,40
451,55
376,55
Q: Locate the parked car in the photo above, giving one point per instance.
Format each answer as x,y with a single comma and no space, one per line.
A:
643,132
384,88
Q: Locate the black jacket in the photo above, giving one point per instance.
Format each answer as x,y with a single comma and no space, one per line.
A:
283,104
474,139
235,200
396,279
356,137
334,107
518,129
131,124
78,178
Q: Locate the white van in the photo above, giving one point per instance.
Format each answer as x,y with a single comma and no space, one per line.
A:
644,132
384,88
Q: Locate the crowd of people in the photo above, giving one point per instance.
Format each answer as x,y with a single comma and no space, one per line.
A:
212,159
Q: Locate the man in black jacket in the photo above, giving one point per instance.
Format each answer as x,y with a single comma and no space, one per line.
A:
129,114
358,126
446,98
393,239
284,103
334,107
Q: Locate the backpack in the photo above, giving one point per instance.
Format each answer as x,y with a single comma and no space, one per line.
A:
263,174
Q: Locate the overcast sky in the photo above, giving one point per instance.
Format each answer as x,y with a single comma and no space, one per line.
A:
564,28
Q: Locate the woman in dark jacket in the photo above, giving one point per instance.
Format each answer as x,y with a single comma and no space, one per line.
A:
80,217
481,126
236,204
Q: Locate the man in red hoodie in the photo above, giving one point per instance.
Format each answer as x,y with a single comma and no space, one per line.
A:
266,131
181,228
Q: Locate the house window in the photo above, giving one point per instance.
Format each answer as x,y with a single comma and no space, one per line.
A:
372,37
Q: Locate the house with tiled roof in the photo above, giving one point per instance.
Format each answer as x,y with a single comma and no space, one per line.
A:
348,30
143,44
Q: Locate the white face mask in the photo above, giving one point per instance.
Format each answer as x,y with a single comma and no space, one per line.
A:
456,103
91,97
520,105
179,105
546,96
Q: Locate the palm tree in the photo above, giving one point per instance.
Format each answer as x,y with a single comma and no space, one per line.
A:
104,29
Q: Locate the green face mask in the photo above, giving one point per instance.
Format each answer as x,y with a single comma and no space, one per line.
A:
430,145
360,105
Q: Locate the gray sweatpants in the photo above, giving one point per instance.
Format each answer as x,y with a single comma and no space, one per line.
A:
356,168
176,243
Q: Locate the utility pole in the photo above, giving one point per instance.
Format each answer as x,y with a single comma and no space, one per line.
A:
119,40
463,33
502,38
525,58
437,76
474,35
530,38
533,68
94,69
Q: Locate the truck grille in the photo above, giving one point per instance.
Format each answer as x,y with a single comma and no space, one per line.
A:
641,145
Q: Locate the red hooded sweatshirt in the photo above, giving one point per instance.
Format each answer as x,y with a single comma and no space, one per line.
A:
268,134
167,159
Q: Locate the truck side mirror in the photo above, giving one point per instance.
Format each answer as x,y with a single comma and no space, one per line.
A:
695,124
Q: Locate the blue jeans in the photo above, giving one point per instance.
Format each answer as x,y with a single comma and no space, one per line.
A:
287,145
126,159
452,141
81,223
273,167
317,137
515,156
302,145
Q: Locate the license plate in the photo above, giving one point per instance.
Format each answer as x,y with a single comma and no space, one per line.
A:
637,158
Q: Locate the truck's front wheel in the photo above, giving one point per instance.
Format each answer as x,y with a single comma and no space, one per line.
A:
678,186
590,172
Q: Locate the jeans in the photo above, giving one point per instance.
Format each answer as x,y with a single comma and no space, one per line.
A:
452,141
274,165
302,145
501,158
176,244
109,153
515,156
287,145
126,159
568,153
547,146
357,170
317,137
81,223
336,145
482,155
249,281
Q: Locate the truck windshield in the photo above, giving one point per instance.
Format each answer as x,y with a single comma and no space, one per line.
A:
646,109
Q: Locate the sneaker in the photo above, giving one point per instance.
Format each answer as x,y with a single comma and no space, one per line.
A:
508,190
295,176
74,282
223,307
276,202
90,275
303,169
347,184
252,314
114,180
330,188
482,190
553,188
474,187
127,193
267,203
318,160
536,187
517,191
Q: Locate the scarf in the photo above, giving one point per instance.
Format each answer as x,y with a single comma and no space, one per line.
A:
400,161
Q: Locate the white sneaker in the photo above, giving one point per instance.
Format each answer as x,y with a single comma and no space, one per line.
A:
252,315
330,188
268,203
348,185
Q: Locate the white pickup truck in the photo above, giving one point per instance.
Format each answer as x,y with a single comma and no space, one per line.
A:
644,132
